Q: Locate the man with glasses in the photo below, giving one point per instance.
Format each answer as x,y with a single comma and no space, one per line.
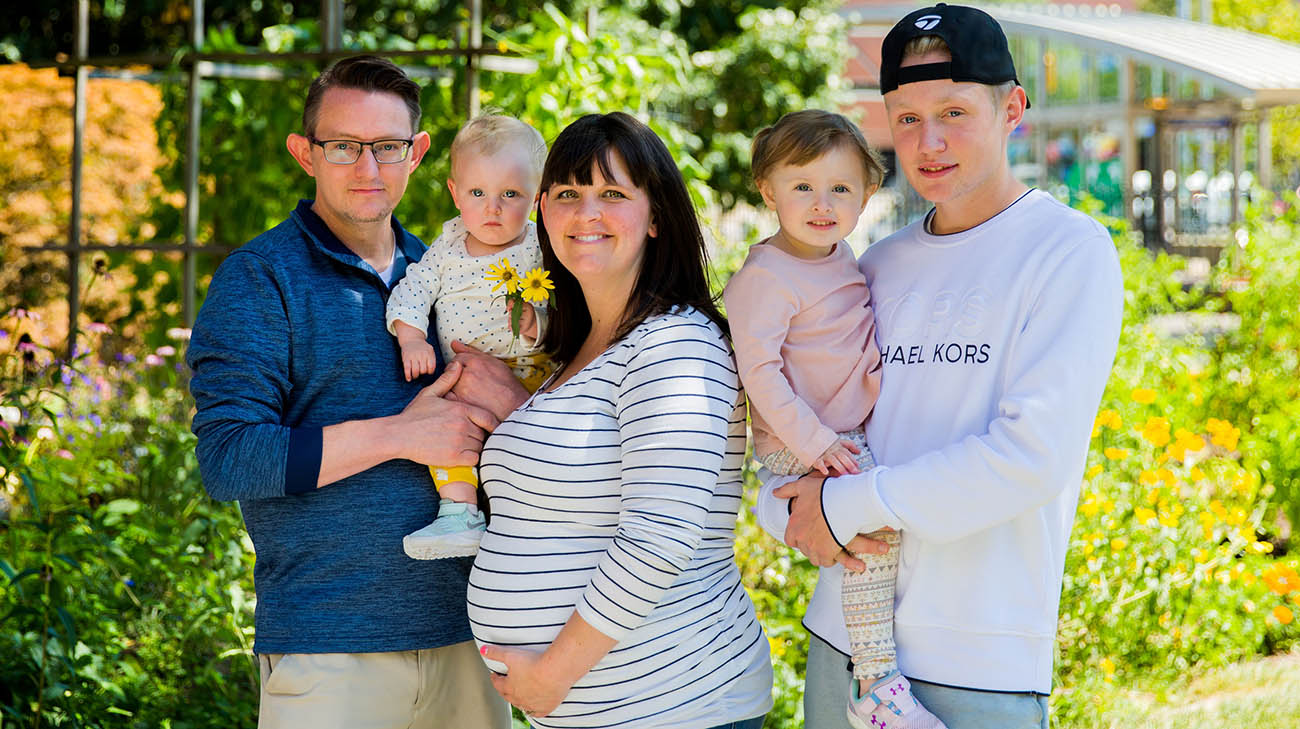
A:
305,417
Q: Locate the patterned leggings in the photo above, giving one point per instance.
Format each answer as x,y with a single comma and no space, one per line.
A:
867,597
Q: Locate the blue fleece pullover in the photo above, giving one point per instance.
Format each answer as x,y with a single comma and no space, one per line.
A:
290,339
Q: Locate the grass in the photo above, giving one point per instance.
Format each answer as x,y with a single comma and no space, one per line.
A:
1262,693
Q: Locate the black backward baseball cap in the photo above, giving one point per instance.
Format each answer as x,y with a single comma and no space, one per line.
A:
978,46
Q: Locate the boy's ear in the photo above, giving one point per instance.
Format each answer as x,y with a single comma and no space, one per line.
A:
1014,106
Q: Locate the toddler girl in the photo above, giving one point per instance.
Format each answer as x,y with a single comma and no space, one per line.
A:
804,335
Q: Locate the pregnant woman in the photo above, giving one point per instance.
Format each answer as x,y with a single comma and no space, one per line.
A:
605,592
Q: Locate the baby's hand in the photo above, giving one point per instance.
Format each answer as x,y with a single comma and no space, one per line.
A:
418,358
527,320
839,456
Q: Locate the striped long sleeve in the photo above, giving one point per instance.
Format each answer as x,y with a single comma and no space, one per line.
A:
615,495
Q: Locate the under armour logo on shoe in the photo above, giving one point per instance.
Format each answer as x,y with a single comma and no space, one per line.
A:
927,22
895,690
877,723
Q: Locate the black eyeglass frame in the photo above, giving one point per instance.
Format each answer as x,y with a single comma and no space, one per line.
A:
361,148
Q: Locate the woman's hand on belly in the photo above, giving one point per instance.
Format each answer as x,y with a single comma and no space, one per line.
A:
527,684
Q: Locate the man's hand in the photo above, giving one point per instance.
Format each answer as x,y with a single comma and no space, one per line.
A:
486,382
437,430
808,532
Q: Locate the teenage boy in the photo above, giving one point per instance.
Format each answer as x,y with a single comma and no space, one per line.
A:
998,316
304,416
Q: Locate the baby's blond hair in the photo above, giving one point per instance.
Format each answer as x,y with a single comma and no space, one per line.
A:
488,134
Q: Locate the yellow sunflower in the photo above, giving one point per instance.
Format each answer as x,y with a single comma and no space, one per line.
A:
503,274
536,286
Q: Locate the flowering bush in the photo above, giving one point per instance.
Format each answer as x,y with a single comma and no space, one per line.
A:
126,593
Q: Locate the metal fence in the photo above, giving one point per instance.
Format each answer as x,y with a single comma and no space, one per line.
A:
195,65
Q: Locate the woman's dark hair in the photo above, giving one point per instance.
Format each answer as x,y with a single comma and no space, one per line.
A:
673,267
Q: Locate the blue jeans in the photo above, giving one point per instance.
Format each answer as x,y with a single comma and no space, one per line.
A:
755,723
826,698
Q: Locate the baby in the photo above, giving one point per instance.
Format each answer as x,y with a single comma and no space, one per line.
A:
496,167
804,336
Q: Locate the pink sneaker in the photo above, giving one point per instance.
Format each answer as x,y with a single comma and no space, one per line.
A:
889,705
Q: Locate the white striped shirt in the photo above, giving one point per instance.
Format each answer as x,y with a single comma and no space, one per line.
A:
616,495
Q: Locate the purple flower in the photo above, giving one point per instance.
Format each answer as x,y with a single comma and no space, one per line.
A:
26,347
98,422
66,377
4,334
128,582
64,453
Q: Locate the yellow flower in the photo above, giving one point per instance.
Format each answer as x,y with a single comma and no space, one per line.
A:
1092,472
1116,454
1147,478
1217,507
1156,430
1107,665
536,286
1283,614
1185,442
1144,396
777,646
1118,543
1223,433
503,274
1089,507
1196,474
1106,419
1143,514
1166,475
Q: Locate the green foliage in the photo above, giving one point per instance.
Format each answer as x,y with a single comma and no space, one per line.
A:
782,62
1254,370
126,593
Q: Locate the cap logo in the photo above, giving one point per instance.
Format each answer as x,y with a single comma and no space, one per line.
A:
927,22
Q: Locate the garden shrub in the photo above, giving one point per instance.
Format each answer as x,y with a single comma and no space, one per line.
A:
127,596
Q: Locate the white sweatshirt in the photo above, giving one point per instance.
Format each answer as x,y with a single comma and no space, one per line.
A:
997,342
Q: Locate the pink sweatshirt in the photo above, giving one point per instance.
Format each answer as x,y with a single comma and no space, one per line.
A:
805,342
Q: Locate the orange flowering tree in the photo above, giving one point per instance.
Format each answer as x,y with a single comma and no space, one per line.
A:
120,176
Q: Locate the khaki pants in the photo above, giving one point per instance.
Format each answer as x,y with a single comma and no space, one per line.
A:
425,689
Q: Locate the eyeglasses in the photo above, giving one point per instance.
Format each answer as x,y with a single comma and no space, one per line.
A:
347,151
